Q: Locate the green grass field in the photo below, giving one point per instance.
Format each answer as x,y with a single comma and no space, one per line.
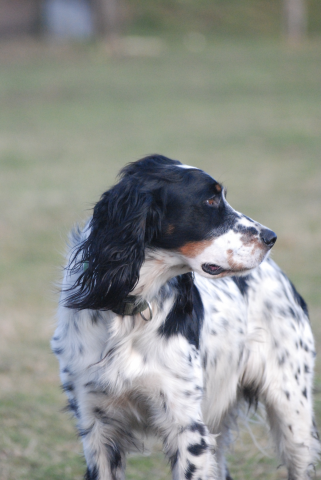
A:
247,112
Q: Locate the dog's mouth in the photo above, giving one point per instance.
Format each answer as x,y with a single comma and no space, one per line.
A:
212,269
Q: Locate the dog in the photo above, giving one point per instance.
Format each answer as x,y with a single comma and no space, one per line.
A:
171,315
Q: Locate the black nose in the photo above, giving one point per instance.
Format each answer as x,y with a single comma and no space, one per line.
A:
268,237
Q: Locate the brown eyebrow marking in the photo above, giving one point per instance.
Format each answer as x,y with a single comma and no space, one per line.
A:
192,249
218,187
170,229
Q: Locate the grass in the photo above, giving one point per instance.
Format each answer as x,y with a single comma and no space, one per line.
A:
248,113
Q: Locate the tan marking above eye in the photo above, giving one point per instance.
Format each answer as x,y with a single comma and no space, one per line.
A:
192,249
218,188
170,229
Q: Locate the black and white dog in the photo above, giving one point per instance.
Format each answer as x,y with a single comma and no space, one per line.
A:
171,314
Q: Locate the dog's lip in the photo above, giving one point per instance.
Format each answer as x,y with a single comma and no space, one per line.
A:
212,269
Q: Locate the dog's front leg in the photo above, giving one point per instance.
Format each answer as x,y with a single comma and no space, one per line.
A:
187,442
103,451
194,456
104,432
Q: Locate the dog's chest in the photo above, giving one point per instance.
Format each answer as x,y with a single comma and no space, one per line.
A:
225,328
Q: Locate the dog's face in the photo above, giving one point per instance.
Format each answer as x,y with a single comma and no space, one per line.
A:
211,237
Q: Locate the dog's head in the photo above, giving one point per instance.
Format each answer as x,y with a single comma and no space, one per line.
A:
161,204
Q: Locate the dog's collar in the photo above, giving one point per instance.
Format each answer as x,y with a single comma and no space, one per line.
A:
132,306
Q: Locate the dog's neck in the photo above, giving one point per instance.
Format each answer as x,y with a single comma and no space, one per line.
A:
159,267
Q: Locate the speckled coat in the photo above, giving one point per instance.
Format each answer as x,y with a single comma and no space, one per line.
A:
213,343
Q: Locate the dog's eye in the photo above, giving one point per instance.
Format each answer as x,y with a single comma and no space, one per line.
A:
211,201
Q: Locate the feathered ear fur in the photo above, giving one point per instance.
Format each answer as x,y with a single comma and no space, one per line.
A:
109,260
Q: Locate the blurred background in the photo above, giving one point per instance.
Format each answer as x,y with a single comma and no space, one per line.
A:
89,85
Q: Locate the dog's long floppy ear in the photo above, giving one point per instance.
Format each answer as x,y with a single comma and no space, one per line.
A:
109,260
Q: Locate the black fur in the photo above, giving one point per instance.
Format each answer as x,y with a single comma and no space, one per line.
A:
242,283
198,448
300,301
189,471
187,314
251,395
116,244
92,474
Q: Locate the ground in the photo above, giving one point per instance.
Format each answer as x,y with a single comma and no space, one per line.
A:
248,112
